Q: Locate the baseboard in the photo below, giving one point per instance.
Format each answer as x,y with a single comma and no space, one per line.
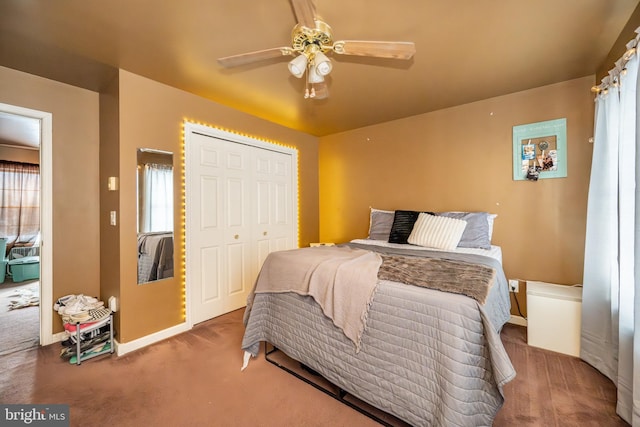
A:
60,336
517,320
127,347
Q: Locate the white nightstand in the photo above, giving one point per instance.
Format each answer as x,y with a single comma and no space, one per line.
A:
554,317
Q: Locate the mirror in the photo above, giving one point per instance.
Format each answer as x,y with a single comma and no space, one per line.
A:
155,215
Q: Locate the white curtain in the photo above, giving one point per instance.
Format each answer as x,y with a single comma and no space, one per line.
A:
157,198
610,339
19,203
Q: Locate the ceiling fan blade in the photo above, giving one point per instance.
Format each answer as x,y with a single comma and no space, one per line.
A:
305,12
396,50
250,57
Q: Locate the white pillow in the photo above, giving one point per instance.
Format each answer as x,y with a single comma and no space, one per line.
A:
439,232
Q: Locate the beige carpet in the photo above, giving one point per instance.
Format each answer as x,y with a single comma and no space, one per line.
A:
20,327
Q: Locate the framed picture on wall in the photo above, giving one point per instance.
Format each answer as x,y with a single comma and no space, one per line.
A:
540,150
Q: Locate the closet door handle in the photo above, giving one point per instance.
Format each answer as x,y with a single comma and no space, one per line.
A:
237,236
264,233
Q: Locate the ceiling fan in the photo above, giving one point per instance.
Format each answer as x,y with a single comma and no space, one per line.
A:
311,39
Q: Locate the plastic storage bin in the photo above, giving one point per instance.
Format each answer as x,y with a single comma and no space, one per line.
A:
23,251
3,269
554,317
3,258
26,268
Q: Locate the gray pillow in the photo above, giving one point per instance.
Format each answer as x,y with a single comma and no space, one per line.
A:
380,224
476,233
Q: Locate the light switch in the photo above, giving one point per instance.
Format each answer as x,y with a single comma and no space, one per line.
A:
112,183
112,220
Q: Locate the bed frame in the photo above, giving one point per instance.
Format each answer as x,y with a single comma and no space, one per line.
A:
337,393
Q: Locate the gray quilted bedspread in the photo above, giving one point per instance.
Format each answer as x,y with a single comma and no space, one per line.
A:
430,358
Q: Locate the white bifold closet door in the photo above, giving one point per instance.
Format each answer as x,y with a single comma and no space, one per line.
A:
240,206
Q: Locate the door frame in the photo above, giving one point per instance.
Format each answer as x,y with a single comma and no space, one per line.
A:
46,216
190,128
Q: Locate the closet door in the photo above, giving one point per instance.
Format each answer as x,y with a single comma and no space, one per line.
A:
240,206
219,240
274,214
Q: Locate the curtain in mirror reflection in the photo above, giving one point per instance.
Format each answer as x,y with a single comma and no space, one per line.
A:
157,198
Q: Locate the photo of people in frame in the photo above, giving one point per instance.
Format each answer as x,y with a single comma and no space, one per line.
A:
539,155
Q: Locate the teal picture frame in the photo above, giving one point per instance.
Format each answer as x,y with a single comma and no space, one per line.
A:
541,146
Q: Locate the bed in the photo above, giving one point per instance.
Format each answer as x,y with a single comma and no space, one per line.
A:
428,356
155,256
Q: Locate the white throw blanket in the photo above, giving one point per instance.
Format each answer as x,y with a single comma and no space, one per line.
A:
341,280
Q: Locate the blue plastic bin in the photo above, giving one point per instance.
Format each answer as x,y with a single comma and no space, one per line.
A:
3,269
26,268
3,258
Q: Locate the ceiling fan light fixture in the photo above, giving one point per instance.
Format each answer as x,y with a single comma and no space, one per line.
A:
298,65
314,76
322,63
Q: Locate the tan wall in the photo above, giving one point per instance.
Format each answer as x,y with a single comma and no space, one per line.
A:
151,116
20,155
461,159
109,200
76,232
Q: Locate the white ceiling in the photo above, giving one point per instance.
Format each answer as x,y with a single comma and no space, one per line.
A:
19,131
466,50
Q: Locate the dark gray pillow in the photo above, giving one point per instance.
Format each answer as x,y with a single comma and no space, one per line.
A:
380,224
476,233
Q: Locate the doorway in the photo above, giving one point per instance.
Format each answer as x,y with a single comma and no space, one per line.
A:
16,123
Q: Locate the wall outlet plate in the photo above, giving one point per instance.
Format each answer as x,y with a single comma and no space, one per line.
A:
113,304
513,285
